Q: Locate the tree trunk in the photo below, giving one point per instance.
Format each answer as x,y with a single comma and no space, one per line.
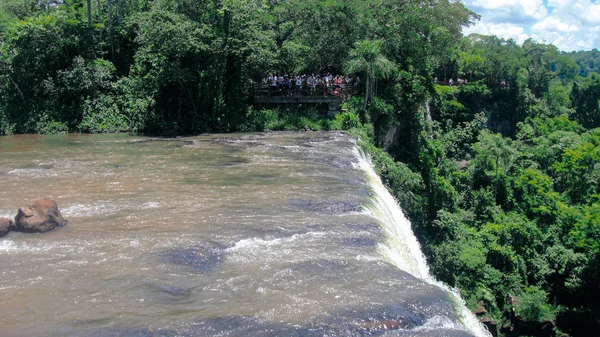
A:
110,28
18,89
367,93
99,11
89,11
120,12
496,180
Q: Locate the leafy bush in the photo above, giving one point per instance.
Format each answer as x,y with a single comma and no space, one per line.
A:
6,127
533,305
51,127
346,121
102,115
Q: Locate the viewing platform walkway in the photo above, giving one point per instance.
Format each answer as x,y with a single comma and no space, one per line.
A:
332,96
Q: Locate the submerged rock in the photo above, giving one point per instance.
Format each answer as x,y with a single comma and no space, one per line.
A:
377,321
204,257
42,216
5,225
332,206
359,242
338,162
491,325
168,294
126,332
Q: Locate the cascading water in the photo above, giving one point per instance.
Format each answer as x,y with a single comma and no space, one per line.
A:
401,247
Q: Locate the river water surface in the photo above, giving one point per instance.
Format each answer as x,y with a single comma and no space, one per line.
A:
274,234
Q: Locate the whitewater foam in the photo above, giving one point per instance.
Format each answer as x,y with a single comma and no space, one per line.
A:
82,210
254,249
402,247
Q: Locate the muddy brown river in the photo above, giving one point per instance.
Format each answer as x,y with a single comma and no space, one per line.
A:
267,234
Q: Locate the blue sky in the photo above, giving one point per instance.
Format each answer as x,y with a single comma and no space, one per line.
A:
568,24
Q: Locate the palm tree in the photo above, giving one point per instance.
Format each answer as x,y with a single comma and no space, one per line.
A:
499,150
366,58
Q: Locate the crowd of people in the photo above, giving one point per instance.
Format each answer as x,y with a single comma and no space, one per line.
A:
459,81
326,84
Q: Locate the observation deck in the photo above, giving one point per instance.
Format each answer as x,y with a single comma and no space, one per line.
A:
332,96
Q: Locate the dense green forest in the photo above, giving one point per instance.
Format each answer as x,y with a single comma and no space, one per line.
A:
500,175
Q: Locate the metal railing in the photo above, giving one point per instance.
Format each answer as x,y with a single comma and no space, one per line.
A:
343,92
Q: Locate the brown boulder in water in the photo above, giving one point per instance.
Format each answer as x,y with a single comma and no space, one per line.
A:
42,216
5,225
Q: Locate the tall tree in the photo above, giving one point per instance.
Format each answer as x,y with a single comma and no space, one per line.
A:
498,150
111,28
366,58
99,11
89,11
120,12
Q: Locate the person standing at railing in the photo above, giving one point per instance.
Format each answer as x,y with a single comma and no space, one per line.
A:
304,84
313,84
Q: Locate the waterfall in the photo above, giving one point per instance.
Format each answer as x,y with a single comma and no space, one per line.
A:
402,247
428,112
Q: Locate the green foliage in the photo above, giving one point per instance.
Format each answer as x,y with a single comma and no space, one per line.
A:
586,232
102,115
366,57
491,58
296,119
587,61
523,221
47,126
458,138
532,305
558,98
585,96
578,174
535,195
346,121
405,184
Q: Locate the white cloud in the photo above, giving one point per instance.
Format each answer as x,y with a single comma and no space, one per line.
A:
554,24
568,24
505,30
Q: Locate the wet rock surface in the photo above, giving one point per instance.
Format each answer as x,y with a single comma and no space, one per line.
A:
5,225
39,217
